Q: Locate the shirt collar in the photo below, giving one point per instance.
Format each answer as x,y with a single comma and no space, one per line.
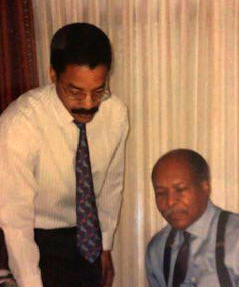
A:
200,227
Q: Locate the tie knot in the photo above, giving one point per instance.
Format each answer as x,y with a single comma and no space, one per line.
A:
186,236
81,126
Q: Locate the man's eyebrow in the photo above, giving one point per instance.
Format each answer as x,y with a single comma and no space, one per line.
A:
72,86
180,183
176,184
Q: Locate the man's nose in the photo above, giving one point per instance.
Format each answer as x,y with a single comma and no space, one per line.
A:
172,198
89,102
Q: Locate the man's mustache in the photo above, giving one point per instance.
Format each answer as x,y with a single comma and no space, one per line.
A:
83,111
174,209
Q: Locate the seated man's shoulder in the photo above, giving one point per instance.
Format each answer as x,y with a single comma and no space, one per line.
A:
233,224
231,238
159,239
155,248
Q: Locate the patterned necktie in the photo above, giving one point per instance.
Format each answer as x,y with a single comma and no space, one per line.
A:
181,265
89,240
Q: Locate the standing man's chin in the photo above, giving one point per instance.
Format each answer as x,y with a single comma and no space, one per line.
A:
83,118
82,115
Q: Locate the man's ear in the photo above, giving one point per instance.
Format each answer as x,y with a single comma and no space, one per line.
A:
53,75
206,188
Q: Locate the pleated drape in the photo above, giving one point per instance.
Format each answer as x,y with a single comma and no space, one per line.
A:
176,67
18,67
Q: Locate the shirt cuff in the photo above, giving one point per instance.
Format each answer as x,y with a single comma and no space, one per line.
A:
107,238
29,281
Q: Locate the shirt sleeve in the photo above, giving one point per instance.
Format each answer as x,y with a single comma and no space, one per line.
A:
17,192
109,201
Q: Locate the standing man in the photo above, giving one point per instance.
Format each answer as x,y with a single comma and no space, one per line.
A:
200,246
61,167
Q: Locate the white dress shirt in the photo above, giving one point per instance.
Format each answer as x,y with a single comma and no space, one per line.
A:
38,141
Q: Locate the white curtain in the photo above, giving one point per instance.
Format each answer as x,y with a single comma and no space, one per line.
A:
176,68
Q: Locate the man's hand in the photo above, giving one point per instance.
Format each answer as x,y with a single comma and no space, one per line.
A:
107,269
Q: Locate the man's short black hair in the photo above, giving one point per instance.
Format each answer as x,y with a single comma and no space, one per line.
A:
80,44
197,164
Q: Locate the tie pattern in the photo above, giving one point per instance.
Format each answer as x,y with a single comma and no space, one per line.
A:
181,265
89,240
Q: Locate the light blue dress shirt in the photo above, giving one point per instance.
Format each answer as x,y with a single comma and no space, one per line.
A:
202,261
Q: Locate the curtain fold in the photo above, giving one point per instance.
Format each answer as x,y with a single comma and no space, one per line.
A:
18,69
176,67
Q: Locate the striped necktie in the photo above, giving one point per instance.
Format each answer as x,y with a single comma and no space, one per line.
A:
89,240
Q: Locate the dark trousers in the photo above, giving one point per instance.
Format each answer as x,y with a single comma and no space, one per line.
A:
60,262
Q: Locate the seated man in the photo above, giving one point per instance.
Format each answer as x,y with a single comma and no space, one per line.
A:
191,250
